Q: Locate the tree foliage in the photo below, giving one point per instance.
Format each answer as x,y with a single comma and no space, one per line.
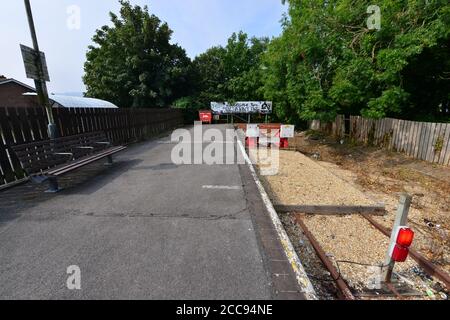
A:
229,73
133,63
327,61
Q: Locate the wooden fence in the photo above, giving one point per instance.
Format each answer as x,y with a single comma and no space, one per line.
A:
123,126
420,140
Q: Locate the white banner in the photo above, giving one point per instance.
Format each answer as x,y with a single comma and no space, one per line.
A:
252,131
247,107
287,131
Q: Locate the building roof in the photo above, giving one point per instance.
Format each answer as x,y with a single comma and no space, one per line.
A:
5,81
79,102
62,100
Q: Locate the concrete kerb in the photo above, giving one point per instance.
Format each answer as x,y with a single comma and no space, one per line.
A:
301,275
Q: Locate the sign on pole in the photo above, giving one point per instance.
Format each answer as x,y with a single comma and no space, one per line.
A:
36,69
245,107
287,131
32,60
252,131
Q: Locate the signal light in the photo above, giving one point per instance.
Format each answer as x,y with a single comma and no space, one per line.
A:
400,251
400,254
405,237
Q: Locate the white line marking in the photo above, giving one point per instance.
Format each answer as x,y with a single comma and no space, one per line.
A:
302,277
222,187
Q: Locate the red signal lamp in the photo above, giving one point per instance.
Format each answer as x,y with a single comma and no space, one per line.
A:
400,254
405,237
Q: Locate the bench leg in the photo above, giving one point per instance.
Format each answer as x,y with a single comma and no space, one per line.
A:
109,160
53,185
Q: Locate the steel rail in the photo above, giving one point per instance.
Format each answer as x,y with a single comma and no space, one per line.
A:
341,284
427,265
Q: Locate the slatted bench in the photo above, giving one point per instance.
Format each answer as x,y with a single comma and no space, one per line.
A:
49,159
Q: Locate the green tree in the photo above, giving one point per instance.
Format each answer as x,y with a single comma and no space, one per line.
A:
243,68
133,64
210,76
327,61
229,73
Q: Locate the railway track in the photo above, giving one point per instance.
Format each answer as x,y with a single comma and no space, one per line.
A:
345,292
430,268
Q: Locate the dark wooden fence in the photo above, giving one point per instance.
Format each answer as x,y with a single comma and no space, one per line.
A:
123,126
420,140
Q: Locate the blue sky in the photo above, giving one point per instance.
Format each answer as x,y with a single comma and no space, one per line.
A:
197,25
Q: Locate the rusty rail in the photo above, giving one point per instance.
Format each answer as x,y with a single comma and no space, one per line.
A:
428,266
341,284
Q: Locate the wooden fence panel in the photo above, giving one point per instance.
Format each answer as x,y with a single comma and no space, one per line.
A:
407,135
412,138
417,139
400,128
6,165
122,126
9,132
22,117
37,133
445,144
446,154
425,141
429,142
394,123
436,143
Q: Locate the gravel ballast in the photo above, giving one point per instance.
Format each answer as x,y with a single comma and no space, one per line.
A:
301,181
355,246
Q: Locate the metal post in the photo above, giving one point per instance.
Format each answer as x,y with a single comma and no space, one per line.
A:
41,86
53,185
109,160
400,220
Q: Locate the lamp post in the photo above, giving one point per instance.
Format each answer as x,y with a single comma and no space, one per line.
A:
40,84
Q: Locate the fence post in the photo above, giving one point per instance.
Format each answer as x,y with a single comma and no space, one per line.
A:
400,220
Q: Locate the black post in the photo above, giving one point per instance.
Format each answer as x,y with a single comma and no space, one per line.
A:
41,86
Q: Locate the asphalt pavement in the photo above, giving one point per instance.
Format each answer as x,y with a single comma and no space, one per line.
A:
145,228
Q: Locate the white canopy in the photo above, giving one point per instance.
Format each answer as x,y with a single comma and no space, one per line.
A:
78,102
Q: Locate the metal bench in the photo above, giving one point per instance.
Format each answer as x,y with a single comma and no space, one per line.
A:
49,159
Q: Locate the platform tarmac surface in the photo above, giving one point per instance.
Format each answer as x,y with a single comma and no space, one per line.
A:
143,228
